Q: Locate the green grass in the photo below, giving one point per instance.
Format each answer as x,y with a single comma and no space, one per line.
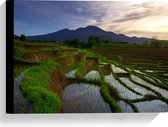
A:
35,88
18,70
80,66
18,53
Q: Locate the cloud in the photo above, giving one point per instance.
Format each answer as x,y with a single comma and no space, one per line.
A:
133,18
146,18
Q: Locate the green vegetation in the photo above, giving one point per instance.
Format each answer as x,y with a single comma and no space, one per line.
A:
18,53
35,88
159,43
110,99
65,58
79,68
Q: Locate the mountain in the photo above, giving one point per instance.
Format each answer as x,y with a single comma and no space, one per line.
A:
84,33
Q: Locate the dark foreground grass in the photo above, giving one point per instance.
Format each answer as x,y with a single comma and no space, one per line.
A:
35,88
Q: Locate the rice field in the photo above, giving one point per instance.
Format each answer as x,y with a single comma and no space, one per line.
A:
77,96
71,74
136,87
125,107
152,106
83,98
163,92
149,59
117,69
124,92
92,75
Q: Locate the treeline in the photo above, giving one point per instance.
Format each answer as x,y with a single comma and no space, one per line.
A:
159,43
90,43
94,41
23,38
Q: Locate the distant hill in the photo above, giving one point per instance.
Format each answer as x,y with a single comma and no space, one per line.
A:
84,33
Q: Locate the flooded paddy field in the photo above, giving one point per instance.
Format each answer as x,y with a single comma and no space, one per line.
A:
155,59
137,95
84,98
127,81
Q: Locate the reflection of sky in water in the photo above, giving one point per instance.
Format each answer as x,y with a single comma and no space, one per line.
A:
93,75
117,69
125,107
83,98
152,106
137,88
123,91
163,92
71,74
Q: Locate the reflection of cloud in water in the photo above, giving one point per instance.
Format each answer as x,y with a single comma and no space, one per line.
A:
137,88
163,92
83,98
123,91
117,69
152,106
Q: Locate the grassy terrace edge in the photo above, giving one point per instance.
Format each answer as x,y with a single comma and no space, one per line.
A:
44,100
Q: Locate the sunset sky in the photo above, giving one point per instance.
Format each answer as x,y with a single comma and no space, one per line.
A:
132,18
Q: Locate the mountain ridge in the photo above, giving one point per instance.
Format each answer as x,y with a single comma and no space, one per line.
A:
83,34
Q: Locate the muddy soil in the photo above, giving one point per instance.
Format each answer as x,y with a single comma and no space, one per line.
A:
36,57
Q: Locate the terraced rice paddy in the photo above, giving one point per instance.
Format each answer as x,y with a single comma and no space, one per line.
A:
71,74
163,92
152,106
83,98
125,107
93,75
124,92
136,87
117,69
150,59
93,85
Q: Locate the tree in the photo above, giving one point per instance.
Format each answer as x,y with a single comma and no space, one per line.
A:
22,37
74,43
92,40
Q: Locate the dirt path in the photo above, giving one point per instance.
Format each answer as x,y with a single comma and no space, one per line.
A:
21,104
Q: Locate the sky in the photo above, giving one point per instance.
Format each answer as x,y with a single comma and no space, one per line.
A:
132,18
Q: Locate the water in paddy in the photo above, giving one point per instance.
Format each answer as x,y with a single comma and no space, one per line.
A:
84,98
125,107
93,75
21,104
71,74
163,92
123,91
136,87
152,106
